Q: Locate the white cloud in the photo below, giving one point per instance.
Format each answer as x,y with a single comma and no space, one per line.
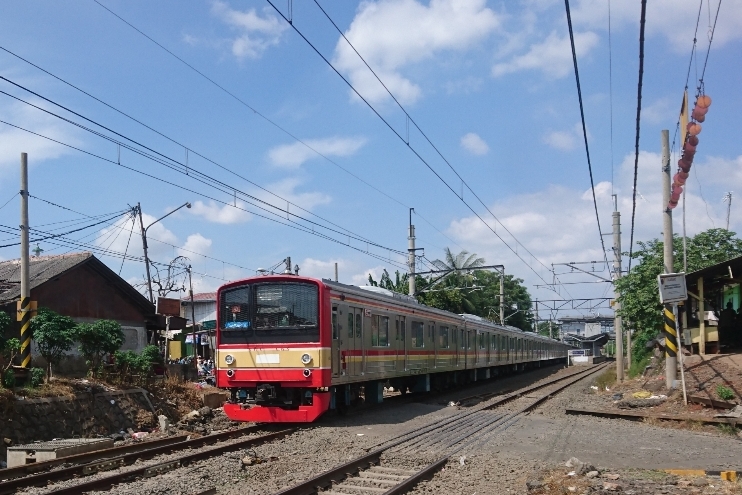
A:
362,278
292,156
673,20
553,56
14,141
225,214
196,243
392,34
311,267
474,144
117,238
286,189
561,140
661,111
257,33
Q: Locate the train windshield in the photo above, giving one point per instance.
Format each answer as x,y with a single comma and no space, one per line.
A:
268,313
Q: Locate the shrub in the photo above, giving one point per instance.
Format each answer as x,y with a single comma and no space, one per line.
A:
54,335
606,379
129,362
724,393
36,377
104,337
639,365
9,349
8,378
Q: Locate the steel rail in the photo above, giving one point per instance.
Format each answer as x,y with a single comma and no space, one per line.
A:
107,459
156,469
35,467
474,419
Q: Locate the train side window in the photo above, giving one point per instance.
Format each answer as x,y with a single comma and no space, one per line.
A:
350,324
402,328
375,330
359,323
396,328
443,337
334,323
418,334
481,340
462,341
384,332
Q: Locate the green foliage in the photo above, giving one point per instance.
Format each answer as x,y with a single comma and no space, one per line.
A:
4,324
9,349
53,334
606,379
131,363
104,337
470,291
724,393
8,378
36,377
639,296
547,330
639,365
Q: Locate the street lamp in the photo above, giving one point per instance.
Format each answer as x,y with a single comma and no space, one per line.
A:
144,244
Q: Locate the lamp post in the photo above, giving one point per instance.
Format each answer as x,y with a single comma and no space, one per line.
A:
144,243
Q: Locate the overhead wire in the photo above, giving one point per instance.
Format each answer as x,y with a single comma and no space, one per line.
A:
8,201
52,236
416,153
214,183
642,22
203,195
239,100
584,127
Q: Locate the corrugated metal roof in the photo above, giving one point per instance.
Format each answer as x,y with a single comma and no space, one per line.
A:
41,269
200,297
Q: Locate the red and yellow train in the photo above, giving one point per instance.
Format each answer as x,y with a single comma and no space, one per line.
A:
289,348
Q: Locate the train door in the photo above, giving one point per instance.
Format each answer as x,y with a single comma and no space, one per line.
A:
433,348
401,328
335,352
471,348
354,353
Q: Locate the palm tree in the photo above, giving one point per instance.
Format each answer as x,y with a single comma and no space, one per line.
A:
458,270
461,262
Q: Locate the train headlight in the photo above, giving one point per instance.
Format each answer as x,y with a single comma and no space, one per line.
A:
229,359
306,358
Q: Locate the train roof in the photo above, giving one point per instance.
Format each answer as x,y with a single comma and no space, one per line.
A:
382,294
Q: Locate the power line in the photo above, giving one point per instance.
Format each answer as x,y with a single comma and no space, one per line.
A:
291,225
8,201
236,98
176,166
584,127
416,153
610,85
52,236
638,118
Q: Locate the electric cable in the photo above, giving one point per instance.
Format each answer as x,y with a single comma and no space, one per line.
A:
203,195
417,154
584,127
642,22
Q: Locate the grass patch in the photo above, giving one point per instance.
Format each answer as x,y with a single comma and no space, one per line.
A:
724,393
727,429
637,367
606,379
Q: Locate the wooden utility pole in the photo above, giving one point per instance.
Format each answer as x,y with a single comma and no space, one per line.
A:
671,357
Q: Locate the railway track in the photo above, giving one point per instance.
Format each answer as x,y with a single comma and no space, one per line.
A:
379,472
109,459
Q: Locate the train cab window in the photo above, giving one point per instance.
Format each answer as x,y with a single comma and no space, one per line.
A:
350,324
418,334
334,323
443,337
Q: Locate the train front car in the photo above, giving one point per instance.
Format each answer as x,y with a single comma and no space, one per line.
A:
273,348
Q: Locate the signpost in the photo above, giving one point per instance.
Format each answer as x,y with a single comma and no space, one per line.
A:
672,291
167,307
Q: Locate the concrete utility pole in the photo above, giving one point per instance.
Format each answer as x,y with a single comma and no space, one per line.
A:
620,365
25,311
336,272
411,256
146,257
193,316
671,358
502,297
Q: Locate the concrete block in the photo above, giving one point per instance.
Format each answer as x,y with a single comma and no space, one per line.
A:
215,399
20,455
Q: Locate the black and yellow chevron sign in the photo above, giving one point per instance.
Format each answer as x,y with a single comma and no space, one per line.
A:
26,311
671,333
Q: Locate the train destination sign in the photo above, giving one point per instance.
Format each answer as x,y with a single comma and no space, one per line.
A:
672,287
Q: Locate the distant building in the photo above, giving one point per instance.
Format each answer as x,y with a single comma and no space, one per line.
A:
204,304
586,326
82,287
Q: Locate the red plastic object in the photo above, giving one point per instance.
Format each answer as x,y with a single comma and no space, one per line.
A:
262,414
693,140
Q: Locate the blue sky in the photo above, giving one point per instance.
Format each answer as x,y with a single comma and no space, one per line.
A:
490,83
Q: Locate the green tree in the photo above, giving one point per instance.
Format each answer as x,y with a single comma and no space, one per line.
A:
53,334
639,294
8,347
104,337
